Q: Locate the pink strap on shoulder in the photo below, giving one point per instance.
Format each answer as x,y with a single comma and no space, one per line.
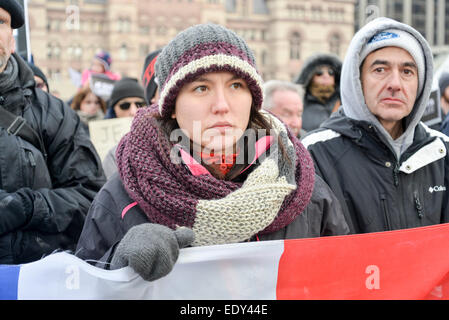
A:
127,208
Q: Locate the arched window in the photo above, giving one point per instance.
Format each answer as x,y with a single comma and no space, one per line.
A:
264,57
78,52
295,46
56,50
124,52
53,50
334,44
49,51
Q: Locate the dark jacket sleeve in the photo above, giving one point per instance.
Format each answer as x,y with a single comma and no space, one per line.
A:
323,200
101,232
59,212
105,226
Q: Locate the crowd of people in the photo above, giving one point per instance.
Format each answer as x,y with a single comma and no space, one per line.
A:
216,155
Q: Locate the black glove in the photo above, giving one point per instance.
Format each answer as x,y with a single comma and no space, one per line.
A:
151,249
15,210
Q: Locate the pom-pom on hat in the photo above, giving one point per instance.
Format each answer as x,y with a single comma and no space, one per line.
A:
105,58
201,49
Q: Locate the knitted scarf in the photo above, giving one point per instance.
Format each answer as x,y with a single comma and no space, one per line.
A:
218,211
9,75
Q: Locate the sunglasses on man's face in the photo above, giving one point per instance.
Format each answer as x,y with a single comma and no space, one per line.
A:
127,105
321,72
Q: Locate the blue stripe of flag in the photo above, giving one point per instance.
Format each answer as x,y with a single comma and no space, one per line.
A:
9,281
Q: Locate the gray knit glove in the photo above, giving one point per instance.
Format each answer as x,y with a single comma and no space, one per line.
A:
151,249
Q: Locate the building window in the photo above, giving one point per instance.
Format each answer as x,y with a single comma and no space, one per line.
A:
124,52
245,8
78,53
144,29
144,49
296,12
231,5
334,44
124,25
264,57
49,51
161,30
316,13
295,46
336,14
53,50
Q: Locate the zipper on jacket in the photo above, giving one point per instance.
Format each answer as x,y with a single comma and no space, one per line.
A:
383,201
32,161
396,174
31,158
418,205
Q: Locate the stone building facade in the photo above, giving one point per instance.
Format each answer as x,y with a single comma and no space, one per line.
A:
66,34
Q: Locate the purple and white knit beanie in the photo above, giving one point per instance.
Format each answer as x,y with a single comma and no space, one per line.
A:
200,49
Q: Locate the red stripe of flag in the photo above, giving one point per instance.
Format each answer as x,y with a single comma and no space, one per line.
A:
402,264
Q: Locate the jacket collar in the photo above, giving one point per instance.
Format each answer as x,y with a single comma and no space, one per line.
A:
196,169
26,75
366,135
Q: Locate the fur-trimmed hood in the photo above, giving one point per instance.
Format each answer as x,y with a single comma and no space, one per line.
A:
308,70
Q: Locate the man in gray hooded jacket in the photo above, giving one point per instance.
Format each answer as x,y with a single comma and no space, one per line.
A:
387,168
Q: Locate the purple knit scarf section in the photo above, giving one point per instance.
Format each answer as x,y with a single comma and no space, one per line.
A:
203,50
168,193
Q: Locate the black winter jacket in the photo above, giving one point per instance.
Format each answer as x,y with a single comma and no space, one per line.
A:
315,112
62,188
377,192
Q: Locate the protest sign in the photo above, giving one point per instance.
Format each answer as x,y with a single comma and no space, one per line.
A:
432,113
101,85
105,134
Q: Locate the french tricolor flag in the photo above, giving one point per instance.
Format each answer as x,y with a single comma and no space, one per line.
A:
403,264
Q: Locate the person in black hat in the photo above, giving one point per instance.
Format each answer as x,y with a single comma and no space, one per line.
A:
127,96
148,78
50,169
15,11
39,78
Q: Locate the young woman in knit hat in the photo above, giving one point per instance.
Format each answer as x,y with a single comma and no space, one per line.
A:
205,166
